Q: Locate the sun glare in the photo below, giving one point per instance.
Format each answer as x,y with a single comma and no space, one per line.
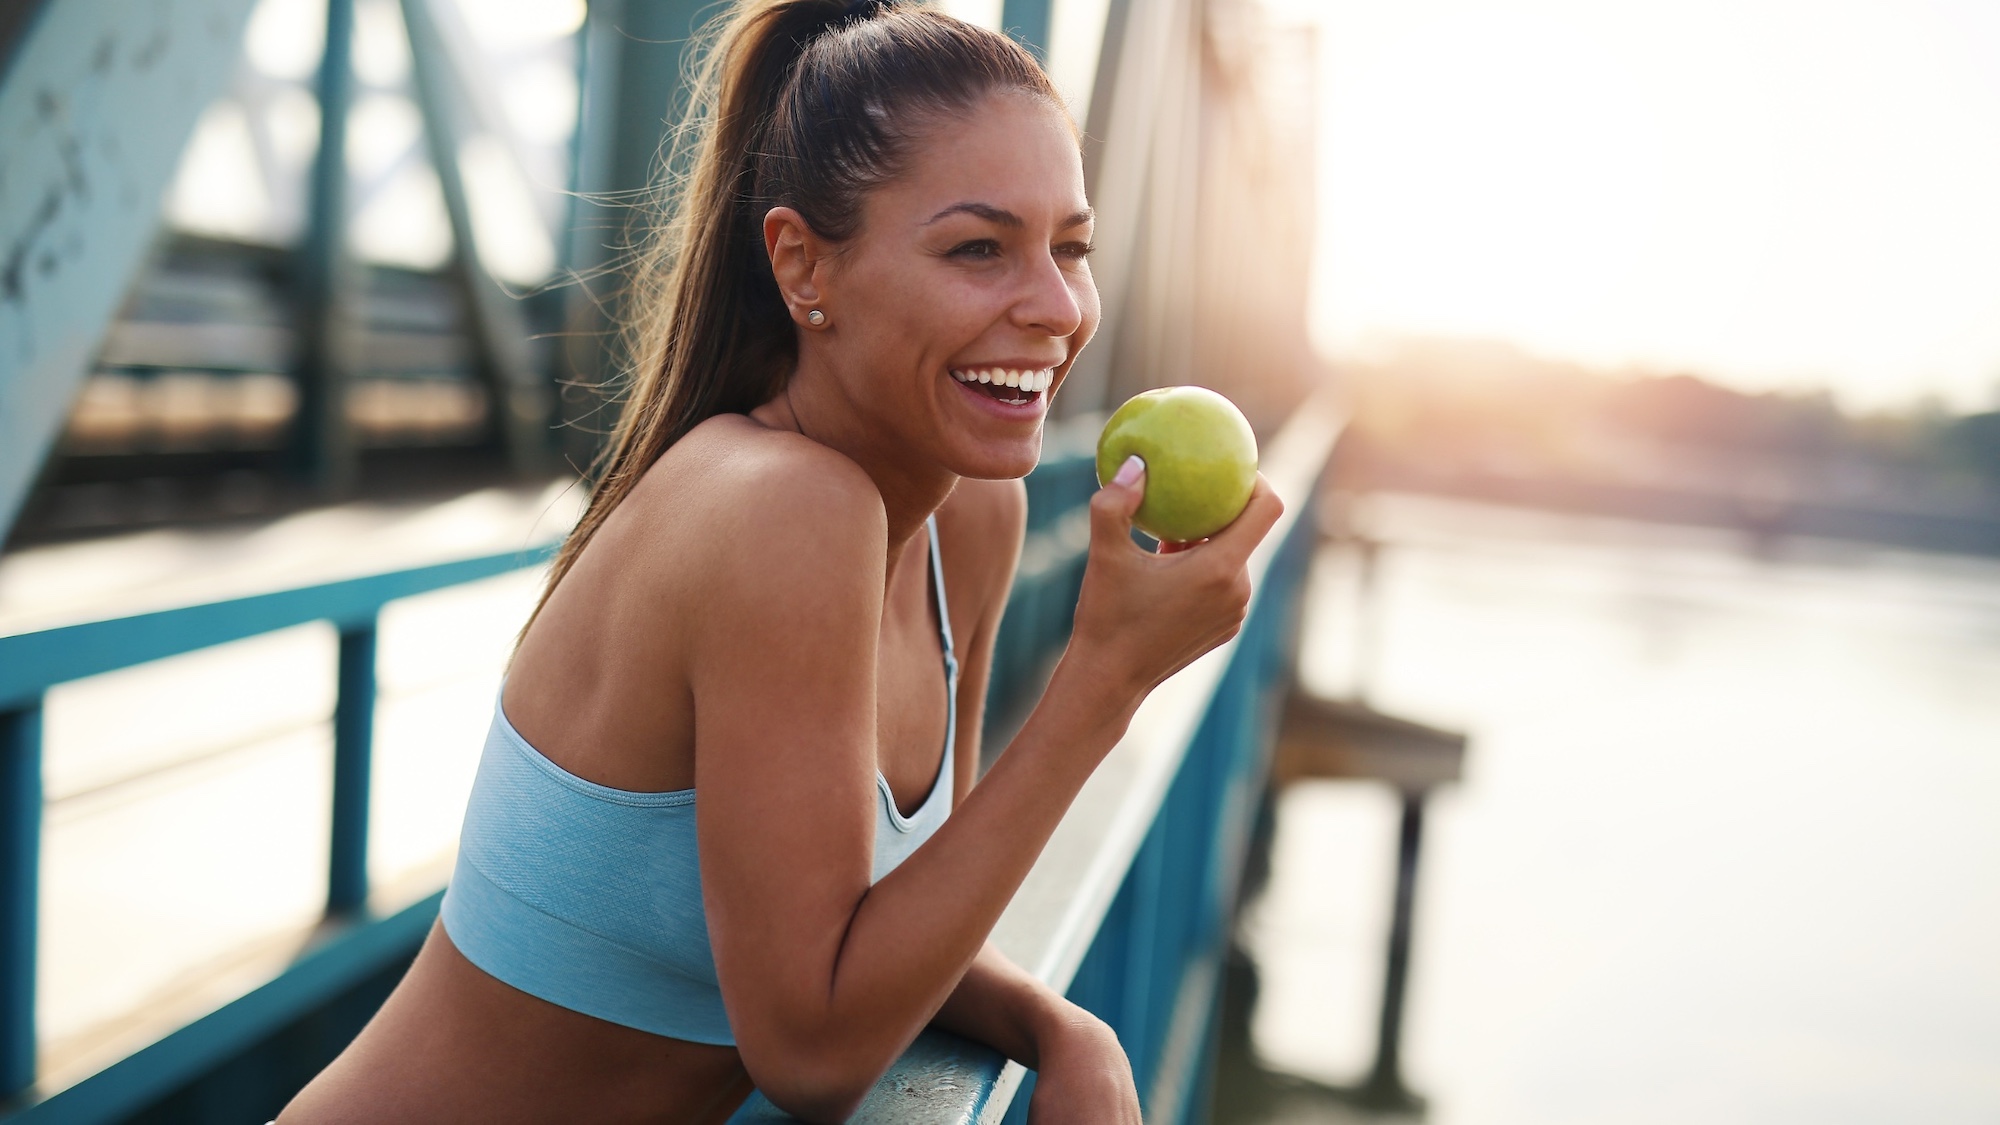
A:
1774,193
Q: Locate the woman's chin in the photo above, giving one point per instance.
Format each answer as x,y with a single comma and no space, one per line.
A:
1000,460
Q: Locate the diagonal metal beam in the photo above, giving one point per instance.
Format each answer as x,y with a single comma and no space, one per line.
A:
95,109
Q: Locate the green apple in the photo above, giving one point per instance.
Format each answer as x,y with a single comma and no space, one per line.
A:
1200,454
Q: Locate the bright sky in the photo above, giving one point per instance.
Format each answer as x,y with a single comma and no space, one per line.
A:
1777,193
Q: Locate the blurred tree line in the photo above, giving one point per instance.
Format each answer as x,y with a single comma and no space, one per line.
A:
1487,419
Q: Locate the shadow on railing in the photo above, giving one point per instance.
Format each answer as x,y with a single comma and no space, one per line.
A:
1127,910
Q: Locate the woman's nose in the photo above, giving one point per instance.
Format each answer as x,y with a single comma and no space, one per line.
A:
1047,303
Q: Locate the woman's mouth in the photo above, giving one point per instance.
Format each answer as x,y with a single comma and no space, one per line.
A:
1006,385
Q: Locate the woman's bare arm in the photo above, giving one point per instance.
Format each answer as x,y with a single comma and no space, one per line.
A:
1080,1064
1002,1005
826,978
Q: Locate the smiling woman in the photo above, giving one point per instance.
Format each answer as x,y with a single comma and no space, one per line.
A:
725,832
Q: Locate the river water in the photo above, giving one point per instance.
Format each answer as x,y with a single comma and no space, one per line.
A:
1728,844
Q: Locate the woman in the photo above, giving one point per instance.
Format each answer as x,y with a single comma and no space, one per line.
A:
808,518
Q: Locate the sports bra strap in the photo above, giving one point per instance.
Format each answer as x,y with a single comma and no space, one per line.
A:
937,586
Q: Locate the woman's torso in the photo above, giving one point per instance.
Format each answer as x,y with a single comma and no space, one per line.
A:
591,897
453,1042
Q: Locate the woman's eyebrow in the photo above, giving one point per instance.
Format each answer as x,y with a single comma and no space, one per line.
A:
985,211
1004,217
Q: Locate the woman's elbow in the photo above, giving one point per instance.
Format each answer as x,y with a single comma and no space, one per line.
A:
813,1081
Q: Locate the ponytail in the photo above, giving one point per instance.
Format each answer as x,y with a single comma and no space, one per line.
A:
807,104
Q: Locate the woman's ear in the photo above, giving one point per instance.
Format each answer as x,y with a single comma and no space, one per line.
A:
796,255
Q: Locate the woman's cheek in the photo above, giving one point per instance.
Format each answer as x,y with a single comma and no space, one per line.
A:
1092,308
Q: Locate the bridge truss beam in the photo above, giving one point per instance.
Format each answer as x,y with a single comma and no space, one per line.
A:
95,109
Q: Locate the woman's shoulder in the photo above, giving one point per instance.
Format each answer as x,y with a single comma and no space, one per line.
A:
732,480
736,512
740,458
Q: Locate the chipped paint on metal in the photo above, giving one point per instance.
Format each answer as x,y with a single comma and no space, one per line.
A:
95,109
941,1080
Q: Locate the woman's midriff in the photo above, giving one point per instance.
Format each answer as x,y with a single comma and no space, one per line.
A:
453,1044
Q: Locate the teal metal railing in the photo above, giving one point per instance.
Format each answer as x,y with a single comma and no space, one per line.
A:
32,663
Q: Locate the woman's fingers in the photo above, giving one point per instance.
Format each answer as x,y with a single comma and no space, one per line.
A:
1112,508
1259,515
1151,615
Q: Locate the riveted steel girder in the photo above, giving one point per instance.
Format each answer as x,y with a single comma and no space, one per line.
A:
95,107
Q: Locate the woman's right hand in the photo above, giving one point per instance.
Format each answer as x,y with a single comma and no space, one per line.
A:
1143,616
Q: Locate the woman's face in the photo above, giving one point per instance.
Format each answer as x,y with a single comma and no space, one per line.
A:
969,272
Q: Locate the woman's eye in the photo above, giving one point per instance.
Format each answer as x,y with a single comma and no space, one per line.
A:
977,250
1076,251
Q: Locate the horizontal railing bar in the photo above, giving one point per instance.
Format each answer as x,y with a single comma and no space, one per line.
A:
138,1080
31,663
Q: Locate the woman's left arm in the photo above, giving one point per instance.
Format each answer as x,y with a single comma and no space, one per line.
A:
1082,1073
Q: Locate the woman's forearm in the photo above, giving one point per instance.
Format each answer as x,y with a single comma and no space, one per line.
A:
1080,1066
948,895
918,934
1004,1006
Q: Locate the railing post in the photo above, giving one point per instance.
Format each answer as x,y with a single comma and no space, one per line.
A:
353,750
20,878
1384,1086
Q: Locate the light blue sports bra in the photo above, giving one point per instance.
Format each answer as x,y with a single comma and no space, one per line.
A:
590,897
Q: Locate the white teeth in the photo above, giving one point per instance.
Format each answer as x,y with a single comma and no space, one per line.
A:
1034,382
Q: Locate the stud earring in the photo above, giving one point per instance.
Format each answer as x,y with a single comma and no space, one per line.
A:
815,318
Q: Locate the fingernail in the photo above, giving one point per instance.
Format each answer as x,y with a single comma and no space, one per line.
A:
1130,472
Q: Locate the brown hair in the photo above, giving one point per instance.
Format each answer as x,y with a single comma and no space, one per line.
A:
807,104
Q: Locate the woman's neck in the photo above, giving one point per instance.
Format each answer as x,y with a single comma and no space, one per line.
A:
812,404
